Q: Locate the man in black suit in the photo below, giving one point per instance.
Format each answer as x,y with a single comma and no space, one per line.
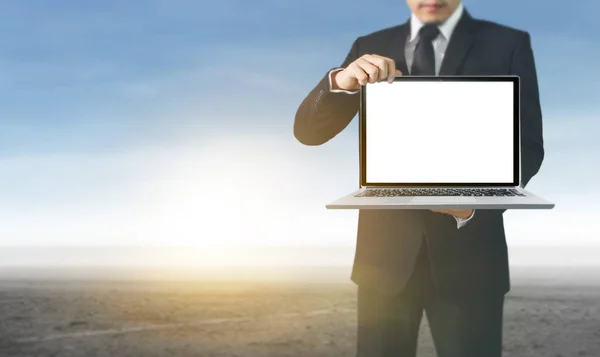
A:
451,264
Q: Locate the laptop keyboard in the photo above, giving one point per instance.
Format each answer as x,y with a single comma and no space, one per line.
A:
479,192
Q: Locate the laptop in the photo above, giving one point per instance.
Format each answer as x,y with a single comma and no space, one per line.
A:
443,142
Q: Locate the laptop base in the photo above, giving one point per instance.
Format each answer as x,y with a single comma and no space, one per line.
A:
527,201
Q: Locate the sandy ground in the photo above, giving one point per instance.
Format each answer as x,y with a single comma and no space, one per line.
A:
227,319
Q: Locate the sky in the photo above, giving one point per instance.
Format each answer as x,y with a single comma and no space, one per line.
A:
170,122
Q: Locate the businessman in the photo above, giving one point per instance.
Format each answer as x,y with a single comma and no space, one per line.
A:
451,264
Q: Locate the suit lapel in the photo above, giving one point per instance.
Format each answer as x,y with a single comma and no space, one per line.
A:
398,42
460,43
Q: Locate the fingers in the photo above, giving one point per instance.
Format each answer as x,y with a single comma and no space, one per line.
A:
385,66
358,72
382,65
392,71
455,212
370,69
374,68
447,211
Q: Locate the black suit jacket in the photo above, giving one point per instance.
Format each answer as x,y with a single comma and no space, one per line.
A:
467,262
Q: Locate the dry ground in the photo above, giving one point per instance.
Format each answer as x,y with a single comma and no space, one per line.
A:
226,319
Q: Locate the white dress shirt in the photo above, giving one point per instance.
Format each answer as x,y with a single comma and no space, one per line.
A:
440,43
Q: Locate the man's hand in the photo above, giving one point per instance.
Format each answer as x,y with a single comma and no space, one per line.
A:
458,213
366,69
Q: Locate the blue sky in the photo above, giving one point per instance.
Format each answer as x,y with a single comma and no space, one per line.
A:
170,122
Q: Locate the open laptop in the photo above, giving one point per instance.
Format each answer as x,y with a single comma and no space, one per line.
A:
440,142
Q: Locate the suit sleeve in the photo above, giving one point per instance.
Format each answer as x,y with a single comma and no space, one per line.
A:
532,143
324,114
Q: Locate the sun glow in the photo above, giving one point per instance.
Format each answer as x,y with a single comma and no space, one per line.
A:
223,195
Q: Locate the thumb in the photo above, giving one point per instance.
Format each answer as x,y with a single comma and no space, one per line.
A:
398,73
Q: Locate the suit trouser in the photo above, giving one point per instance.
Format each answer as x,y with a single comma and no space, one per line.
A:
389,326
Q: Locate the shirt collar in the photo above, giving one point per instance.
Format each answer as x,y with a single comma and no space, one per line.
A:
446,27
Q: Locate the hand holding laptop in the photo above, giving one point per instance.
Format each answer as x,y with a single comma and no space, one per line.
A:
372,69
366,69
458,213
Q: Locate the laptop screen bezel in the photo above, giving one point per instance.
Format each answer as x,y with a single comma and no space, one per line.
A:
516,133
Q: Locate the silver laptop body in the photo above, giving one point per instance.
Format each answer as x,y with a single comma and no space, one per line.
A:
377,192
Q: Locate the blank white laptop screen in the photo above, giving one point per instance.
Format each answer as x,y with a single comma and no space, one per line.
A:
439,132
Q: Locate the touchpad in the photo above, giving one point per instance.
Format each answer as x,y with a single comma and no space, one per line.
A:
444,199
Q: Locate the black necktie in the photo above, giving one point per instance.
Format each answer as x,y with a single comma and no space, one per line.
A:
424,58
